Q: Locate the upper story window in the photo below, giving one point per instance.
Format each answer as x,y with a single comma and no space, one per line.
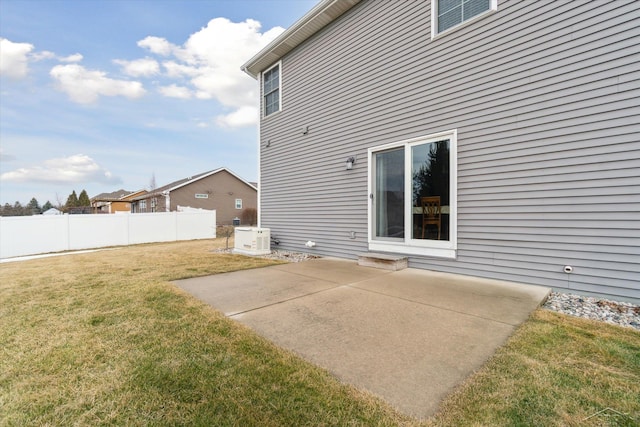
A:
238,203
271,89
448,14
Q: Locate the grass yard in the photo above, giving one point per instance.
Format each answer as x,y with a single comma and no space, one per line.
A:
103,338
556,370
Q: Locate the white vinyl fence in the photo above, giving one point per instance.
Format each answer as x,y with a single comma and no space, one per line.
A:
40,234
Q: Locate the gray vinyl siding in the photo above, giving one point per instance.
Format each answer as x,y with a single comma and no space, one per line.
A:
544,96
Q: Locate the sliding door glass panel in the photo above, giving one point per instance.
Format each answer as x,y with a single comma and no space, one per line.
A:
388,196
430,190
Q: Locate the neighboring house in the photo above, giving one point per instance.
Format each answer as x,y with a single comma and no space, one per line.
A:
52,211
118,201
515,122
219,189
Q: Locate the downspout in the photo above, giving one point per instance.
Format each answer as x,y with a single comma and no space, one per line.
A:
167,201
258,77
259,192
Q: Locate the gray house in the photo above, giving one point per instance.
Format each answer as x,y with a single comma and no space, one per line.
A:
490,138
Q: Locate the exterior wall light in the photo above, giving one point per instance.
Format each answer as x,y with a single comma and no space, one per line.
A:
350,162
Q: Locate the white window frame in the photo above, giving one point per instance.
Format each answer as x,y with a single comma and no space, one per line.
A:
493,6
409,246
263,100
238,203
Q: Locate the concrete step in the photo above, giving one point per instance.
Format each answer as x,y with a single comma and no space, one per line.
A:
384,261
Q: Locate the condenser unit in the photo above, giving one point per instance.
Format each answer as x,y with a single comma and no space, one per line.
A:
252,241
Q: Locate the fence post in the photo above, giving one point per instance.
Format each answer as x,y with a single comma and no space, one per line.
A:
68,222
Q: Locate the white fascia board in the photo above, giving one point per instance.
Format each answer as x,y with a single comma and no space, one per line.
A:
213,172
313,21
239,178
193,180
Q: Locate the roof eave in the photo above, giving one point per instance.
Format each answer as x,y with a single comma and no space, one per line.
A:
313,21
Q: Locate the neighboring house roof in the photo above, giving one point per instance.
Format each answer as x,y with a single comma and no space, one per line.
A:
52,211
132,195
114,196
316,19
186,181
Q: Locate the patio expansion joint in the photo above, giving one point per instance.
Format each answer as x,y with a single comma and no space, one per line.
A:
315,276
336,284
237,313
430,305
310,276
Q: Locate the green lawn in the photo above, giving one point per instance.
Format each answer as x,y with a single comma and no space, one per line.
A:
103,338
555,370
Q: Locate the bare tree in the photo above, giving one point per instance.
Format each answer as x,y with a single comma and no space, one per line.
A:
59,205
250,216
226,231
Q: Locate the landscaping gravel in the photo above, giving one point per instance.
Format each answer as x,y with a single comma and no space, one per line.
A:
280,255
290,256
614,312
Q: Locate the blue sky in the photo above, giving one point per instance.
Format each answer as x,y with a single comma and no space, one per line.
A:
103,95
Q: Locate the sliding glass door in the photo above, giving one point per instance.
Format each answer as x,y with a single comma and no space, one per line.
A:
389,194
430,190
413,203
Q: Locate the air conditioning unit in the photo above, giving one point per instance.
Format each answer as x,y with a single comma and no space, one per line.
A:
252,241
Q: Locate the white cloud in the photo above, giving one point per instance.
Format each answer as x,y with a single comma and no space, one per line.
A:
157,45
179,70
243,116
76,57
206,66
78,168
14,58
210,62
39,56
85,86
144,67
174,91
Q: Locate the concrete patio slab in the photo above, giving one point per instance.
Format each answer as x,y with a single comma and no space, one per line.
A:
408,336
501,301
238,292
247,290
333,270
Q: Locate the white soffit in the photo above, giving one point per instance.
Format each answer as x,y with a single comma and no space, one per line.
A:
316,19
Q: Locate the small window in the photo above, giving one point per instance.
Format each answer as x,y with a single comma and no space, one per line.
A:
143,205
271,90
154,204
448,14
238,203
